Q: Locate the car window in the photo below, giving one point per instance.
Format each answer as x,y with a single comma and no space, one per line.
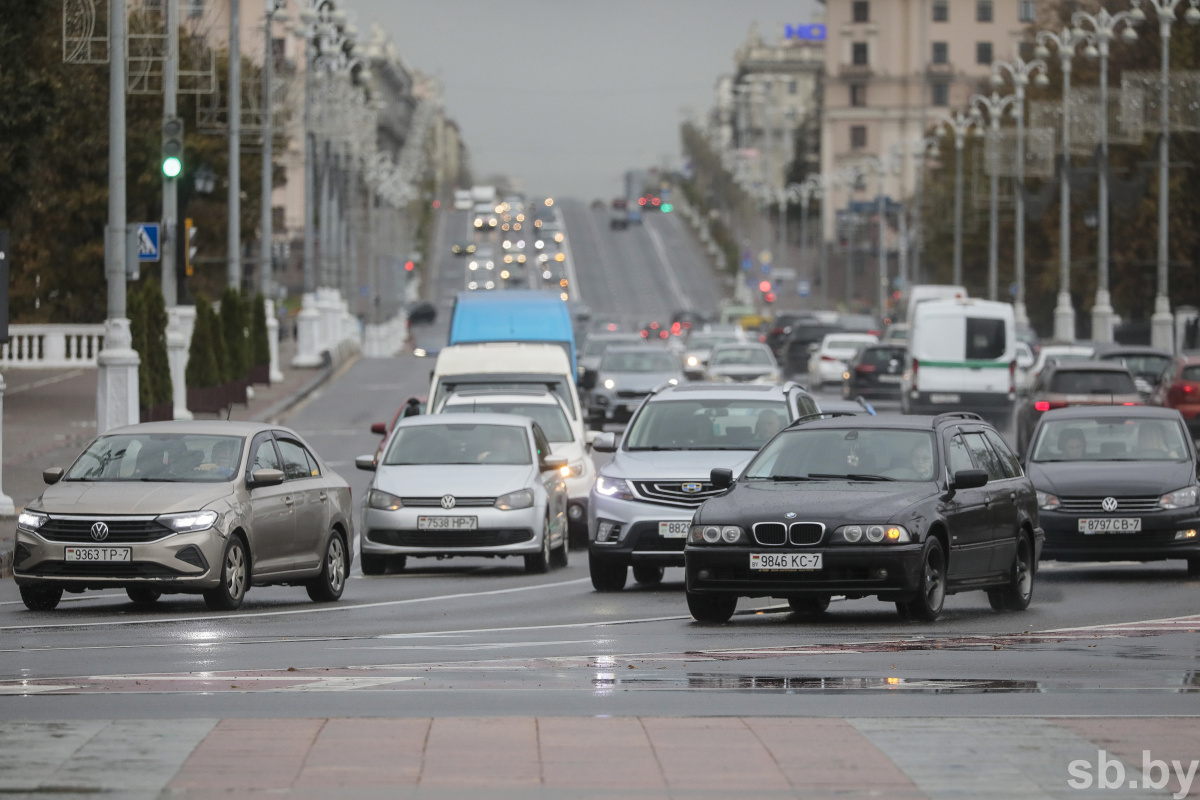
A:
881,356
550,417
540,442
1191,373
296,462
168,457
1082,382
958,456
985,339
844,344
264,456
1006,456
1131,438
985,456
648,361
459,443
807,405
713,424
1144,365
831,453
742,357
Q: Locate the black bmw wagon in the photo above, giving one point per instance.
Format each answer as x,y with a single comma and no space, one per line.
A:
908,509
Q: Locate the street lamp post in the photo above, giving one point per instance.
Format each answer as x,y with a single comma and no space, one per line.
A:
917,148
1161,324
275,12
1103,26
1018,71
881,168
233,256
811,187
958,124
994,107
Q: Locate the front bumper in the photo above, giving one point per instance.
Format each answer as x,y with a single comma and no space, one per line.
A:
1155,542
161,563
638,540
893,572
517,532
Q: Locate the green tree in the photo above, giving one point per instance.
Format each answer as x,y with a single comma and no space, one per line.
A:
155,309
233,329
260,344
203,371
220,352
136,309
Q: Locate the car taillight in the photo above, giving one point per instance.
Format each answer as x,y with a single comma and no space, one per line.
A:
762,337
1012,377
828,358
1044,405
777,331
1131,404
865,368
916,365
664,334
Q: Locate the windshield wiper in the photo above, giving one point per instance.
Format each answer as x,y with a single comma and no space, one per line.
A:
853,476
789,478
162,480
655,448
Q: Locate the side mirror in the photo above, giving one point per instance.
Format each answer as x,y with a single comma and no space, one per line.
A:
553,463
588,381
365,462
266,477
590,437
721,478
969,479
52,475
379,428
605,442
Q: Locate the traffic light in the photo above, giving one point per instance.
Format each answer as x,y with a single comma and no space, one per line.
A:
667,208
172,147
189,249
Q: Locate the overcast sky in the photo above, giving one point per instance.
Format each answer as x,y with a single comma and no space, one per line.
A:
567,94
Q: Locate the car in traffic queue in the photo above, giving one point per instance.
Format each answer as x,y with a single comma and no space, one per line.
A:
699,346
1059,353
597,343
875,371
197,507
465,485
830,357
739,363
1074,383
641,506
1146,364
626,376
462,248
1179,388
1116,483
905,509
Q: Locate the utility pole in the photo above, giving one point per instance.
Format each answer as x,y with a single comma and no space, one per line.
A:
234,254
166,247
266,275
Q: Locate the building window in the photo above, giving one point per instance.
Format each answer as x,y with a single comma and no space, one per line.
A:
858,94
941,11
793,87
195,9
859,54
941,53
940,94
1028,11
1025,50
983,52
983,10
858,137
862,11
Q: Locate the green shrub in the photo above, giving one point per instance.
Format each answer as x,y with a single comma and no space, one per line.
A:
203,371
216,335
260,346
136,309
233,329
159,367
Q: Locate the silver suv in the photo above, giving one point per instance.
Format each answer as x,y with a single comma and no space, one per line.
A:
642,503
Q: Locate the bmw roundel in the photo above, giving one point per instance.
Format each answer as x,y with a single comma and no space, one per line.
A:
790,515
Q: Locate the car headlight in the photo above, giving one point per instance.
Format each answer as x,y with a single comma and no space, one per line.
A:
1047,501
716,534
1180,498
189,522
31,520
614,487
692,361
522,498
609,383
383,501
872,534
473,265
573,470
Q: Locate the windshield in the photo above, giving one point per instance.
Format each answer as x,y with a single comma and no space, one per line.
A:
1110,439
1145,366
742,357
845,344
166,457
455,443
550,417
830,454
449,384
596,347
715,424
1079,382
648,361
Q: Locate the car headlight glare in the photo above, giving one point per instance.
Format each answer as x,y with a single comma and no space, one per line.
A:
522,498
609,383
383,501
573,470
692,361
875,534
614,487
31,520
1047,501
1180,498
189,522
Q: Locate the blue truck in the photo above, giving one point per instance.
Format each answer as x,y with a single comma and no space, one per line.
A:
513,316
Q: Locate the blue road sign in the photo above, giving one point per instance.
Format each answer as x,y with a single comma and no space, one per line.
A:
803,288
747,260
147,241
806,33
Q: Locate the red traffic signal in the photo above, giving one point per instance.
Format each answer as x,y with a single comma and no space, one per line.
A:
409,266
770,297
764,286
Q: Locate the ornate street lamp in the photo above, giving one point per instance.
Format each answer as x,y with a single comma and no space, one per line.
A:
958,124
994,107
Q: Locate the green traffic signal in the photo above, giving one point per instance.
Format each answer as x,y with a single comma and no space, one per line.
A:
666,207
172,166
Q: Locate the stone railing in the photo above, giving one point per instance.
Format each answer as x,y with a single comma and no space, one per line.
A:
51,346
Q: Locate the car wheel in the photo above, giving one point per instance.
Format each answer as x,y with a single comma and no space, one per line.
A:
810,604
329,585
607,575
648,574
373,564
539,563
561,557
927,604
41,598
143,595
235,574
1017,594
711,607
1193,567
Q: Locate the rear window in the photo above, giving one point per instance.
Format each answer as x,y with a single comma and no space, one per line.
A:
1146,365
881,356
1191,373
986,339
844,344
1081,382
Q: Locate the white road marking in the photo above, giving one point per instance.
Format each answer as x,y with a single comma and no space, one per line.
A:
572,279
112,596
660,248
43,382
475,646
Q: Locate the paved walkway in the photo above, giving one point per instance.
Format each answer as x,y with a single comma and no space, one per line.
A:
590,757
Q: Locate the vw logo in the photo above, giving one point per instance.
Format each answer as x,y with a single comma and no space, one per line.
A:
790,515
99,531
448,501
691,488
1109,504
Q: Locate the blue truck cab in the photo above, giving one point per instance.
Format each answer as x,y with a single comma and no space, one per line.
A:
513,316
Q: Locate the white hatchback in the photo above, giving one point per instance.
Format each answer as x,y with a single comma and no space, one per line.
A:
833,354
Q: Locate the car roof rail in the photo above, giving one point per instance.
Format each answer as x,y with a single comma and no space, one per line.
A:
968,415
822,415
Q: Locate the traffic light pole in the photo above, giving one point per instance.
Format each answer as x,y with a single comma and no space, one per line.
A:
170,215
234,253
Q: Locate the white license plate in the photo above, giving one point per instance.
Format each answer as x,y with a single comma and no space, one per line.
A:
673,530
889,378
1110,525
794,562
99,554
447,523
944,398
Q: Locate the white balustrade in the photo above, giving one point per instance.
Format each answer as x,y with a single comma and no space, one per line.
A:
51,346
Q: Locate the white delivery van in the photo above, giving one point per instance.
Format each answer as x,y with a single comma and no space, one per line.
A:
462,200
962,356
924,292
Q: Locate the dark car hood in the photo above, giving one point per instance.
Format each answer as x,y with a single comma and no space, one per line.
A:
1118,478
832,502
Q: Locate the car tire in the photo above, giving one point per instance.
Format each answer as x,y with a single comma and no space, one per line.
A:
1017,595
397,563
373,564
329,585
561,557
608,575
143,595
711,607
648,574
1193,565
235,576
927,604
539,563
41,598
809,604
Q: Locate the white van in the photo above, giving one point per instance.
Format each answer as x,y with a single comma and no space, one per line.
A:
924,292
962,356
462,200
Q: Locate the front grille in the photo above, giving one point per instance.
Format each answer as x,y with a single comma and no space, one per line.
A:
107,569
626,393
1093,505
120,531
672,493
803,533
770,533
448,539
459,502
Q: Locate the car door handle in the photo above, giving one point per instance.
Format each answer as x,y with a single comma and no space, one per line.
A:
323,497
288,500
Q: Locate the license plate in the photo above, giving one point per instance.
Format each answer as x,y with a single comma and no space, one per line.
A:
447,523
944,398
1110,525
99,554
889,378
793,562
673,530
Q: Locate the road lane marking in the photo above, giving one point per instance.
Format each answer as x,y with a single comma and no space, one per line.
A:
656,240
43,382
113,596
